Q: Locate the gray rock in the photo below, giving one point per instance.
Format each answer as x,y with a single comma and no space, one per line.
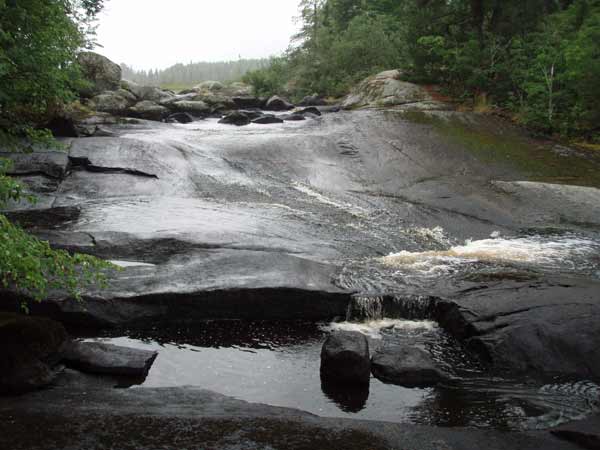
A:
385,89
149,110
312,100
30,352
113,103
181,117
267,119
235,118
209,86
252,114
309,110
53,164
345,358
100,72
96,357
277,103
406,366
196,108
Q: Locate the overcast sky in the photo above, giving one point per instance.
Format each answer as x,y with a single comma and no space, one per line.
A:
149,34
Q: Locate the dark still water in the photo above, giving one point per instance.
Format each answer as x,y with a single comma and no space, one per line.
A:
278,364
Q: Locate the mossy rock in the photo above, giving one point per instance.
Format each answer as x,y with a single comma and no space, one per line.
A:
31,350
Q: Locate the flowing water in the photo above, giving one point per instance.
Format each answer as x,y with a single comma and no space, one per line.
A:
400,211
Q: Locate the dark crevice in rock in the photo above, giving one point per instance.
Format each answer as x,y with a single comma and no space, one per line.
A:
35,173
83,163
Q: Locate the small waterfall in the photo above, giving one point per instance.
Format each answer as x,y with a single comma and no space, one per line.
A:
376,307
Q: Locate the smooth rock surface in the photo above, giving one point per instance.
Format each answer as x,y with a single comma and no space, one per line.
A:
193,418
235,118
277,103
96,357
345,358
406,366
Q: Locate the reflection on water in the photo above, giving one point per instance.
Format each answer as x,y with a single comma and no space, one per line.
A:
278,364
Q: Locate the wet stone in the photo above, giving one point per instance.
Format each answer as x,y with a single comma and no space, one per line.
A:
95,357
406,366
345,358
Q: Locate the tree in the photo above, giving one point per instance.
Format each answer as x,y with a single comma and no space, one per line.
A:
39,40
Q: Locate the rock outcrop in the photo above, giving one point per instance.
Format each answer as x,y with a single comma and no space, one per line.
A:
277,103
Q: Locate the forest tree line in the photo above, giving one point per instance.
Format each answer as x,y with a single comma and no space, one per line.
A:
194,73
538,60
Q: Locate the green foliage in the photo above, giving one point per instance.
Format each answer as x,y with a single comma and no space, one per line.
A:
30,265
38,43
538,58
270,80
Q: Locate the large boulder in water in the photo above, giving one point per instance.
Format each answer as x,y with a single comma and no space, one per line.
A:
100,73
386,89
312,100
345,358
30,352
277,103
196,108
406,366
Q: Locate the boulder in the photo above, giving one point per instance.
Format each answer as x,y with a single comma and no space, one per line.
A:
100,73
181,117
96,357
235,118
277,103
149,110
216,101
149,93
247,102
385,89
195,108
30,352
345,358
406,366
267,119
238,88
312,100
309,110
113,102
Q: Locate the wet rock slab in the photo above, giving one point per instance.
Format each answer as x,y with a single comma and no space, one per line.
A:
406,366
193,418
96,357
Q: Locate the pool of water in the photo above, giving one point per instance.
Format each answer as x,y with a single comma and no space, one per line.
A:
278,364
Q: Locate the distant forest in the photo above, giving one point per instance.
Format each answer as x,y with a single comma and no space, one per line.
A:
193,73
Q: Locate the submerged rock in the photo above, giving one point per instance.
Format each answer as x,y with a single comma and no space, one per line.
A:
309,110
345,358
293,117
96,357
30,352
406,366
235,118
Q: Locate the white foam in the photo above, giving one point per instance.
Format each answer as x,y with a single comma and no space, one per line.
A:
373,328
355,210
566,252
131,264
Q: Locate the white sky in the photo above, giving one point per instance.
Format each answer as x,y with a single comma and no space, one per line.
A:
150,34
